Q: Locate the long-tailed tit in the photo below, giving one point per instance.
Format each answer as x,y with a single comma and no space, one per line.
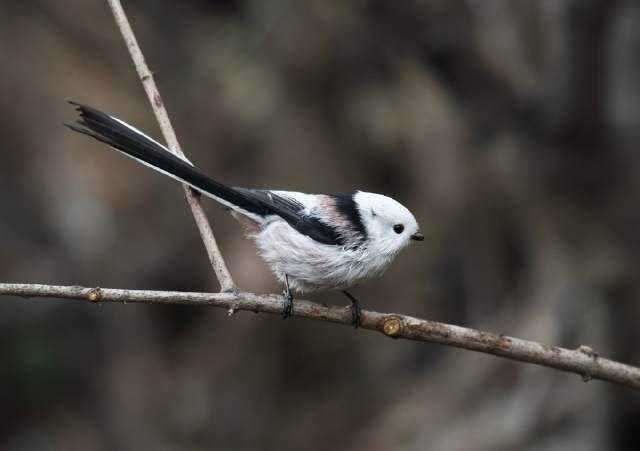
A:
309,241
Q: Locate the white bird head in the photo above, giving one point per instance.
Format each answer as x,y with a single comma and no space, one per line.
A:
390,225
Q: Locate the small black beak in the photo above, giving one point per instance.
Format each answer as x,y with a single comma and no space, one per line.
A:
417,236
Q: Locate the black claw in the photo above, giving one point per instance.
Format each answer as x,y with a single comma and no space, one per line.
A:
356,313
287,306
356,310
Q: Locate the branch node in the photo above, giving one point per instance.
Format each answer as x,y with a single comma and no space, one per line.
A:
587,350
95,295
503,342
392,326
231,311
157,100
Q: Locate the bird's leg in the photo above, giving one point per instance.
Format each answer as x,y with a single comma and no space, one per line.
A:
287,308
356,310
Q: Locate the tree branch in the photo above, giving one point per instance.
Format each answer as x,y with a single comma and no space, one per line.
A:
193,199
583,361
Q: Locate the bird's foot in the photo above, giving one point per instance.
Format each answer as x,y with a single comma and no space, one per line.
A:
356,314
356,310
287,306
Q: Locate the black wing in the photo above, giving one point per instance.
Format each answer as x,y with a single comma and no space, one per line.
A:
293,212
139,146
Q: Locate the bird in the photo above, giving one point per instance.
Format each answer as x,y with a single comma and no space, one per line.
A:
310,242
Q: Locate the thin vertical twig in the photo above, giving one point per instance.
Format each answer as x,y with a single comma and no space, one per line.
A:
193,199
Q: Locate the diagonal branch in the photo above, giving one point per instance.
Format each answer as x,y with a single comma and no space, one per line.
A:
146,77
583,361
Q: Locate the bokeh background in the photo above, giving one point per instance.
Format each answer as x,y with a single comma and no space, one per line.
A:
510,128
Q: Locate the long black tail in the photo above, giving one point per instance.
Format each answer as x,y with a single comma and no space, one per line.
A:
135,144
257,204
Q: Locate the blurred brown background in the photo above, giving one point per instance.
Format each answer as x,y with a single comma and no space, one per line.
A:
510,128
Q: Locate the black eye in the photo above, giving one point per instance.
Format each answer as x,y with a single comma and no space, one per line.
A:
398,228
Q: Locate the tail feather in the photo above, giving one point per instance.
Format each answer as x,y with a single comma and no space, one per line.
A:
135,144
114,132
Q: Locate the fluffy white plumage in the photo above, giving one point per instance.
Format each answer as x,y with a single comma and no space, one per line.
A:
311,266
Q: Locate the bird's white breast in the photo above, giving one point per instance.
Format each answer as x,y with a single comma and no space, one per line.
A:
311,265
